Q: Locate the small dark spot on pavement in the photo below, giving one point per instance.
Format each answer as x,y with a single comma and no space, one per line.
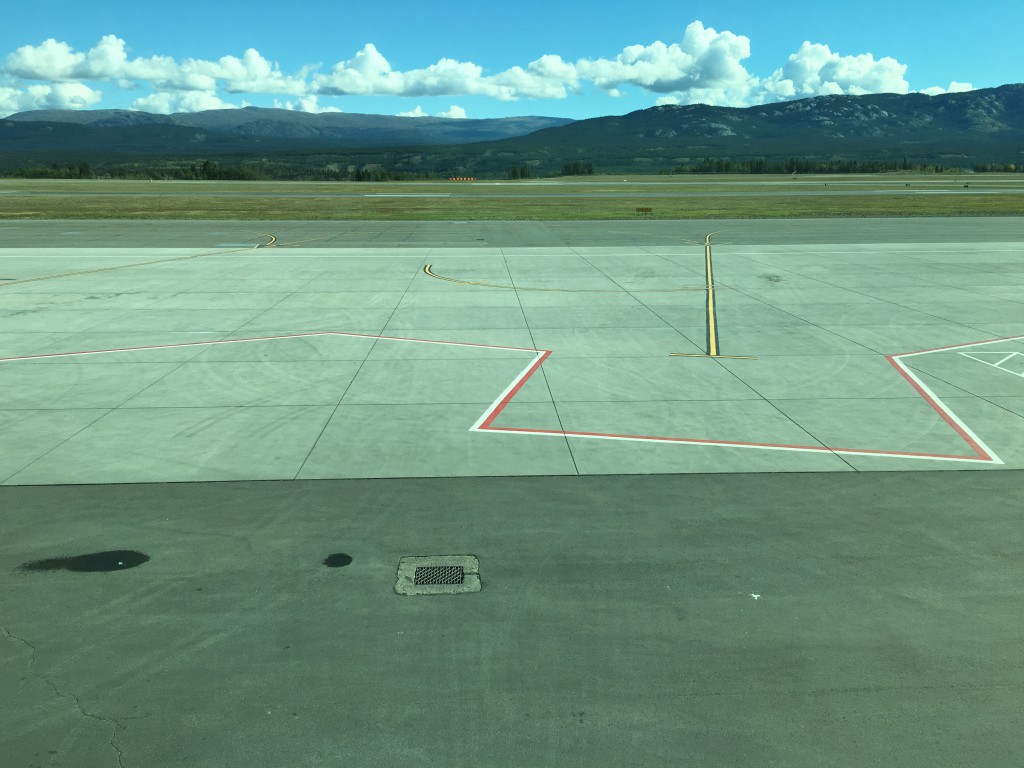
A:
113,560
337,560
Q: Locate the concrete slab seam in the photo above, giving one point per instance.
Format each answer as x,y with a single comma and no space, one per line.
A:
260,338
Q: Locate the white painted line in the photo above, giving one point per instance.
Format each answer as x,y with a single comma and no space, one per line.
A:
959,346
539,356
823,450
998,365
505,392
984,454
945,409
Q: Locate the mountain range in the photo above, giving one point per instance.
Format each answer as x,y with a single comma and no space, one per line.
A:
253,126
956,129
955,125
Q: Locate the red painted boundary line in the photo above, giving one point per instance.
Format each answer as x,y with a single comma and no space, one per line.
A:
497,409
980,454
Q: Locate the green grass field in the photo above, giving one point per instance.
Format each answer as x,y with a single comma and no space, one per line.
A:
591,198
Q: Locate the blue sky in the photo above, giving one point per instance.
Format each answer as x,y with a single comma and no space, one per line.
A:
477,60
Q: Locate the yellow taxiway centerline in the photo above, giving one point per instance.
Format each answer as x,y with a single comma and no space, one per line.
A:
712,320
712,328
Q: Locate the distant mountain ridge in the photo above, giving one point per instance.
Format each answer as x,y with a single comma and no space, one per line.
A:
955,129
322,128
992,112
960,130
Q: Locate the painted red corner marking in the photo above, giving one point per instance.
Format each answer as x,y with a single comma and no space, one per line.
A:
944,413
517,384
980,453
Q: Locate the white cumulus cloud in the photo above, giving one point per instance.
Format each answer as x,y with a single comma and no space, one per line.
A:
454,112
108,60
55,61
305,104
250,73
56,96
51,60
183,101
815,70
954,87
704,66
370,73
548,77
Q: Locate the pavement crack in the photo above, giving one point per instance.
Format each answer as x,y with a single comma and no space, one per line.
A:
115,726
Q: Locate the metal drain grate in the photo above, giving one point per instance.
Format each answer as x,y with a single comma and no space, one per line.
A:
439,574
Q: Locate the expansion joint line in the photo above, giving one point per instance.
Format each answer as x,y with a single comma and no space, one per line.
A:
126,266
114,724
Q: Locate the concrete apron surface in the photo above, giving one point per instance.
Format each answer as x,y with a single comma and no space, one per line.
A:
843,619
679,352
629,601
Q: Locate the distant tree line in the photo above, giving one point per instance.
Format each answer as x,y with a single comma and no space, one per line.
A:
208,170
379,174
520,171
802,165
578,169
53,171
407,165
999,168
